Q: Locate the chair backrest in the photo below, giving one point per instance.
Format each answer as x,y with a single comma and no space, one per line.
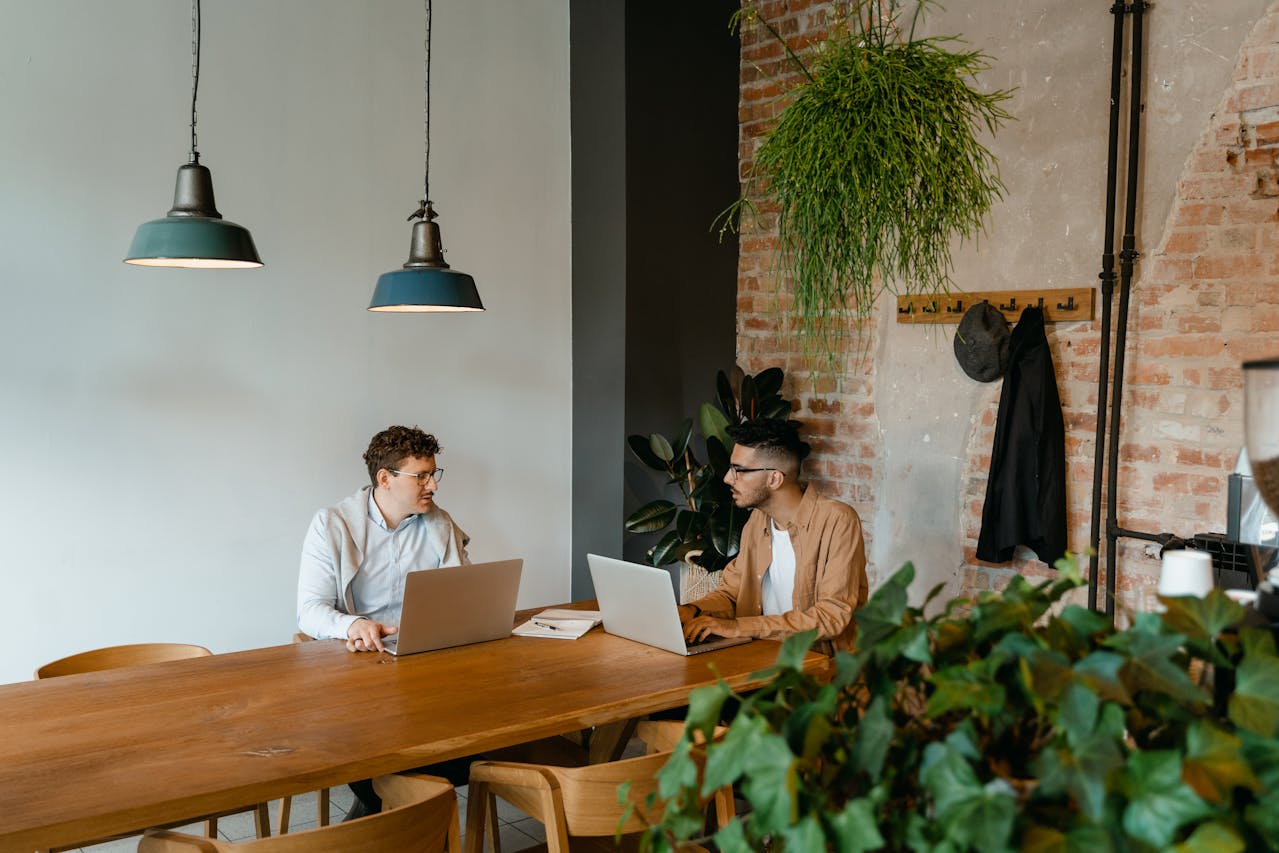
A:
421,818
590,798
113,657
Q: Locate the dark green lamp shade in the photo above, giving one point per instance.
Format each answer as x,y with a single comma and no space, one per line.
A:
425,290
426,283
194,234
193,241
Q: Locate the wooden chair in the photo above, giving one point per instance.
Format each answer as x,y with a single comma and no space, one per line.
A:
581,802
286,804
113,657
420,816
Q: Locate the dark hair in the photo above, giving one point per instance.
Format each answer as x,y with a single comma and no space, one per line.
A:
393,445
774,436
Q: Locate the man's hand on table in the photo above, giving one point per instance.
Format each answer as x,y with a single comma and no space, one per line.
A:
698,627
365,635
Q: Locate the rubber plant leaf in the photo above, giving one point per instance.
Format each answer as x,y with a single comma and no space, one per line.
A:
652,517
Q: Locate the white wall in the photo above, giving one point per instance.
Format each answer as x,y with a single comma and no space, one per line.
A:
165,435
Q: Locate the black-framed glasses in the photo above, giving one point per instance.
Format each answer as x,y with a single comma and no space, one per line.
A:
736,471
437,475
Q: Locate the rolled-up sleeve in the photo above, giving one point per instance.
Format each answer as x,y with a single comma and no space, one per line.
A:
319,587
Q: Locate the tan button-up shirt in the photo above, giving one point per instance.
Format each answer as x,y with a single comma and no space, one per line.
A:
830,576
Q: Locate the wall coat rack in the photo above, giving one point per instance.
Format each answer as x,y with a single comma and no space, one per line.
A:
1059,306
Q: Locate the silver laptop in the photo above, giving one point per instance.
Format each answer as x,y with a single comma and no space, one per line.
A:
637,603
456,605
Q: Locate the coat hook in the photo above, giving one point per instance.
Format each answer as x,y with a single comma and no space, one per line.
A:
931,310
1040,303
957,308
1069,306
910,306
1011,306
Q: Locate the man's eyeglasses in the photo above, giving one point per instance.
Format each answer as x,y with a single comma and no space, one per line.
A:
736,471
437,475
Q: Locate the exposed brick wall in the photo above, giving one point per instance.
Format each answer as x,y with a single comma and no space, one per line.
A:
1204,301
838,411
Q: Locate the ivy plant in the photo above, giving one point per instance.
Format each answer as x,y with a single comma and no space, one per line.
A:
705,520
1011,722
873,167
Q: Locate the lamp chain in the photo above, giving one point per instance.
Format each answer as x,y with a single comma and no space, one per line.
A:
195,74
426,180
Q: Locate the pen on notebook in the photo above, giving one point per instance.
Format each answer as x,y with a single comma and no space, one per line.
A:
546,625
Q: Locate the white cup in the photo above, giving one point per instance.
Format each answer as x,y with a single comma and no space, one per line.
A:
1186,573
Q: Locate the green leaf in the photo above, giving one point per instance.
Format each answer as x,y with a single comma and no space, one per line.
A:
1150,665
1159,803
856,827
1101,672
1263,816
680,444
719,458
1214,765
640,446
731,838
882,614
705,705
794,649
750,398
726,398
713,424
874,735
970,813
769,381
1254,704
665,551
651,517
1081,771
961,689
661,447
805,835
1212,838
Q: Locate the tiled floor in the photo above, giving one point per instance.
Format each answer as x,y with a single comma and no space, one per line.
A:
518,830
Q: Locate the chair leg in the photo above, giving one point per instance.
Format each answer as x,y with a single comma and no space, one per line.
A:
282,825
476,816
323,807
262,816
211,828
494,835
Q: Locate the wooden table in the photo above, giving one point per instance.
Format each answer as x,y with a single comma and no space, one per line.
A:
90,755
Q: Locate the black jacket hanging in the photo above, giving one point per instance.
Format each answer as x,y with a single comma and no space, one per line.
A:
1026,492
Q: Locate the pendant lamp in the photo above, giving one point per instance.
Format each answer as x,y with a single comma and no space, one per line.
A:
426,283
193,234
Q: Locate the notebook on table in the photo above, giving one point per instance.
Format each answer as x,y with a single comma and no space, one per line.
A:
455,606
638,603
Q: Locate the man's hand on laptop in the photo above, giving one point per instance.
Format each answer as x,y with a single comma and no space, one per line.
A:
365,635
702,628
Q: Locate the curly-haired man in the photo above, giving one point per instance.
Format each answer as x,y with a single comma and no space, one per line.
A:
801,563
356,554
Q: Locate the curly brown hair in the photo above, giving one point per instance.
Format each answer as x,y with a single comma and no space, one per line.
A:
390,447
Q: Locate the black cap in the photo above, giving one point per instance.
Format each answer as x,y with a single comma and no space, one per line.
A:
981,344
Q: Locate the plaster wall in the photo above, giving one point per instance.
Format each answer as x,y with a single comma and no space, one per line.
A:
166,435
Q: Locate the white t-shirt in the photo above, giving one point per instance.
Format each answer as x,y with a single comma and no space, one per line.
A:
779,579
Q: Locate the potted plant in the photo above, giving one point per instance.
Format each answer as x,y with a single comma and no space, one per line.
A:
1012,722
873,167
704,527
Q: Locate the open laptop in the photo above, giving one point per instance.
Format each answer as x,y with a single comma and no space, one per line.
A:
456,605
638,603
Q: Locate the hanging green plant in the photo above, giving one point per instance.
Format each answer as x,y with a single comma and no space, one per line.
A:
873,168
